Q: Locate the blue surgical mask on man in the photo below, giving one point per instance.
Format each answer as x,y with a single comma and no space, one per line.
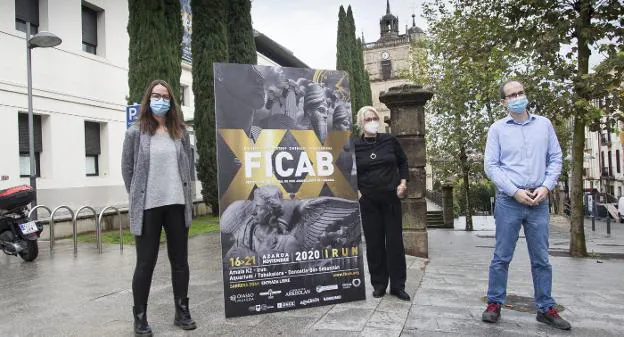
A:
159,106
518,105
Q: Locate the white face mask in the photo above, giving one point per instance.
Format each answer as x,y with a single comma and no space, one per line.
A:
371,127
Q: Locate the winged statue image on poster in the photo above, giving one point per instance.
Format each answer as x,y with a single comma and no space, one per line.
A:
289,216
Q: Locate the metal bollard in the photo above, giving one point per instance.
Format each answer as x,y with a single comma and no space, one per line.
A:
608,224
32,211
75,224
98,228
52,222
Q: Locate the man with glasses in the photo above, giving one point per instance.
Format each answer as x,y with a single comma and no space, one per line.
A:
523,159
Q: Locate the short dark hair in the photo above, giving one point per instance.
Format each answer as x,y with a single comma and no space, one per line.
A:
502,87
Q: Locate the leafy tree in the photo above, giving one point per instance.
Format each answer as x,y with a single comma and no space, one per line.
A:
465,80
209,45
541,29
241,43
155,51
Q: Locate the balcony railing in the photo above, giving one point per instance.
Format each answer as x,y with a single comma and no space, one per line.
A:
391,43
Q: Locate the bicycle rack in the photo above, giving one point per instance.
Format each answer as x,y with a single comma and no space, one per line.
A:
98,228
49,213
75,225
52,222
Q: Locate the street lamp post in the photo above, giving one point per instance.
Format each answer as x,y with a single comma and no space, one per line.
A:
41,40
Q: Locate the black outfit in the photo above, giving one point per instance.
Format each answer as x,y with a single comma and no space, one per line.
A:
171,217
381,164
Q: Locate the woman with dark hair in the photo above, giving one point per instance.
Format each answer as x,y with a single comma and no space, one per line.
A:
157,171
382,173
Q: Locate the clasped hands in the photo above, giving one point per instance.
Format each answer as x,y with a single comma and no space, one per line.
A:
402,190
531,198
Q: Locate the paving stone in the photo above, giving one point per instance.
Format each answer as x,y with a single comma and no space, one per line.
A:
344,318
378,332
387,320
90,295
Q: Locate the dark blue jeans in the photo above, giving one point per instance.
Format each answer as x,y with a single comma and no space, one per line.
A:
510,215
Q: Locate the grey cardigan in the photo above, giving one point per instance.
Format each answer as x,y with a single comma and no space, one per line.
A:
135,168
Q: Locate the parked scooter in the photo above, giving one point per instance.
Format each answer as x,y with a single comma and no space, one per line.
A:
18,235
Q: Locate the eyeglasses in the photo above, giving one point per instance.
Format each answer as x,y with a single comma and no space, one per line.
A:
155,95
515,94
370,119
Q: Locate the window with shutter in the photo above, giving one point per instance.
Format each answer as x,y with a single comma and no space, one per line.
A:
386,69
24,150
183,89
92,148
89,30
27,11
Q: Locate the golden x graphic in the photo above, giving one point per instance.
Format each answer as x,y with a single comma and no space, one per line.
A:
312,186
239,143
268,141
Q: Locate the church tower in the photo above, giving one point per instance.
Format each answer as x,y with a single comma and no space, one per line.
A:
387,59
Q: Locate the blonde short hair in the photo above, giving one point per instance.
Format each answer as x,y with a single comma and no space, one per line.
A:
360,117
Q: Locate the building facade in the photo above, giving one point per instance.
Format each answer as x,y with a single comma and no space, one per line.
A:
387,59
79,97
603,165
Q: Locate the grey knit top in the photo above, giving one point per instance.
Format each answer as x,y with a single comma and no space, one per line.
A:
164,185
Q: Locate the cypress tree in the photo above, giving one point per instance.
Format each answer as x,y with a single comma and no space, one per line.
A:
366,96
341,42
173,22
208,45
155,51
241,43
354,70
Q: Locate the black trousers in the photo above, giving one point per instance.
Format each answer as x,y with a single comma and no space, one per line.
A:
383,230
170,217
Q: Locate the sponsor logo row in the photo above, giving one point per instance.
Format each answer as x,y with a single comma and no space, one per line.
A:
292,304
270,294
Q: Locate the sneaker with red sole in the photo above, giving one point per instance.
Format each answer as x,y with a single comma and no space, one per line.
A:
552,318
492,313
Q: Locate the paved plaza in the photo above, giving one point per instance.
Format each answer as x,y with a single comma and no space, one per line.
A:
89,295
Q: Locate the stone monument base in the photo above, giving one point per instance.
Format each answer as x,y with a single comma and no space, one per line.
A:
416,243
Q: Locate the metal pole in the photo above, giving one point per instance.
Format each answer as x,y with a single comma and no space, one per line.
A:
31,128
120,232
593,214
608,224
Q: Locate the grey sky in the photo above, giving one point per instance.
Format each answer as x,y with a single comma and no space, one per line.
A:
308,27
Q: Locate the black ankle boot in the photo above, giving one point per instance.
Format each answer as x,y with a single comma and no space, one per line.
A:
141,327
183,315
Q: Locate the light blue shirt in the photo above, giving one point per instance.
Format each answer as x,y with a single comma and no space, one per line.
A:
522,155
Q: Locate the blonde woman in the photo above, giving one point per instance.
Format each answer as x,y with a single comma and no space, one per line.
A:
382,180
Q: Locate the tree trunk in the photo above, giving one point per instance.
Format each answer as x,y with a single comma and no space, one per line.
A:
577,225
490,113
465,175
469,226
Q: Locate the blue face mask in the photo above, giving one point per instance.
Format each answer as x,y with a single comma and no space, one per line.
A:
159,106
518,105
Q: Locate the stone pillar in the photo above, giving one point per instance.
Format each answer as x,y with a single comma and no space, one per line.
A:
447,206
407,115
